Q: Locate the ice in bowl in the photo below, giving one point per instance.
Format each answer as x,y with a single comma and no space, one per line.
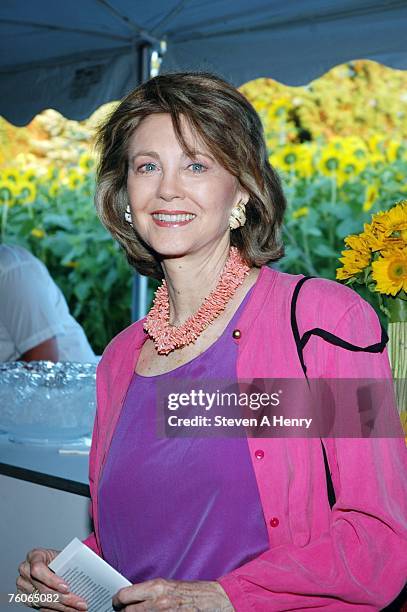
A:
46,402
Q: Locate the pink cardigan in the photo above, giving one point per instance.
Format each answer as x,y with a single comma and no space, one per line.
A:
353,557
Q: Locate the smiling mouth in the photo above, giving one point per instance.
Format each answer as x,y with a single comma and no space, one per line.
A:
166,218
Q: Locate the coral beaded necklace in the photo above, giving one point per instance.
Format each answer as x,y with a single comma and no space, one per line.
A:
169,337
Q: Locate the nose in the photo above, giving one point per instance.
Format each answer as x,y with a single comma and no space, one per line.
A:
170,186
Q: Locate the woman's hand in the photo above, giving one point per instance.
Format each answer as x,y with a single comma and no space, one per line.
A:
160,594
35,574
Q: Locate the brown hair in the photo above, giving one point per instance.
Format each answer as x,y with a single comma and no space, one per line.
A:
231,129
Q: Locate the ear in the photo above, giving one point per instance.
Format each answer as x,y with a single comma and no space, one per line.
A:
242,195
245,197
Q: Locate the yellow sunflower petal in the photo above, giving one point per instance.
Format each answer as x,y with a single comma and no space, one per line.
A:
27,192
390,272
38,233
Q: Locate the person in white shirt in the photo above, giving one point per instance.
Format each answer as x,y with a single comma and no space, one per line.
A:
35,323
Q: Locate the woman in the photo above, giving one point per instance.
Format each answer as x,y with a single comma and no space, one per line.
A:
238,523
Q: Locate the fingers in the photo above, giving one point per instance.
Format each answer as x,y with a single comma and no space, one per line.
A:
34,573
35,568
46,599
158,605
160,594
43,601
150,589
149,596
65,603
38,570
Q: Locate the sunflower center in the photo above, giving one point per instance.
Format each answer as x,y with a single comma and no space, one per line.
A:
290,158
397,269
332,163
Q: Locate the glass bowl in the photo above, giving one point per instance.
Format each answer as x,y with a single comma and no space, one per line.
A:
42,402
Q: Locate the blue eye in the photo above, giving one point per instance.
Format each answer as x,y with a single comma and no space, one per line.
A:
147,164
201,167
149,167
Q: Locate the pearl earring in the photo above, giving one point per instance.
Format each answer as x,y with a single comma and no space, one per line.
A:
238,216
127,216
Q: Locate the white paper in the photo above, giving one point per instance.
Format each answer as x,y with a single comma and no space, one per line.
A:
88,576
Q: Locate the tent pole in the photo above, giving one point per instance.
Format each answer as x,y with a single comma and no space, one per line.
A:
150,58
140,283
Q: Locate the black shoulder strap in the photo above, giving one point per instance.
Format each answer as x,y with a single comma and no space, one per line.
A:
300,343
294,324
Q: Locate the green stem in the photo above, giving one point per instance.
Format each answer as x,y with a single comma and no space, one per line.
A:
331,230
307,253
333,190
30,211
306,260
4,219
397,308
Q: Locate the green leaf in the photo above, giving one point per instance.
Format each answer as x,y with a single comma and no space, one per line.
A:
396,308
109,279
324,250
54,220
314,231
349,225
82,289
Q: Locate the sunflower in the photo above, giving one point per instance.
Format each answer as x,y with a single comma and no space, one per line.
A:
301,212
374,239
355,259
352,165
75,179
337,142
387,229
54,189
392,220
360,151
50,175
285,158
357,243
305,167
8,192
329,161
371,194
377,159
27,192
10,174
30,175
392,149
376,142
86,162
37,232
278,109
260,104
349,144
305,162
356,143
390,271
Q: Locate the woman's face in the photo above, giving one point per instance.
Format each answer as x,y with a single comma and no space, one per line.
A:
162,180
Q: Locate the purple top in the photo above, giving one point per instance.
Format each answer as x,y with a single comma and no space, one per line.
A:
179,508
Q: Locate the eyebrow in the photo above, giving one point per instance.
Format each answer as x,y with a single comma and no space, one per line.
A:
155,154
